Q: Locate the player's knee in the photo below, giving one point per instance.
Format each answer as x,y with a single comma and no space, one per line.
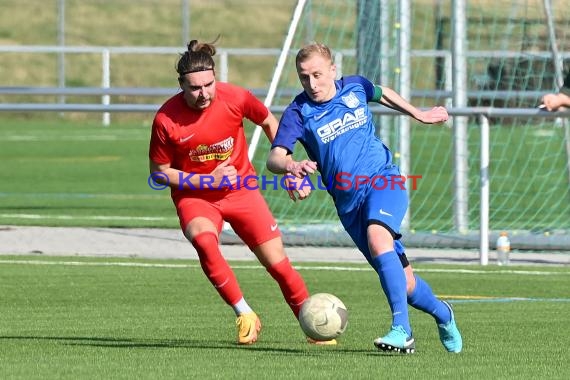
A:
204,241
410,287
271,253
410,279
197,227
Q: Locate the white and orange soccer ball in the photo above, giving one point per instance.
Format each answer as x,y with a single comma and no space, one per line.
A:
323,316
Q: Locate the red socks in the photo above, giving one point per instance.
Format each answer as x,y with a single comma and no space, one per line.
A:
222,277
216,268
291,284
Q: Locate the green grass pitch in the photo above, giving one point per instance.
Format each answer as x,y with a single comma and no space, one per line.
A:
87,318
72,173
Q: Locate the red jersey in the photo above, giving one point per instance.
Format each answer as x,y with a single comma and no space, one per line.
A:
196,141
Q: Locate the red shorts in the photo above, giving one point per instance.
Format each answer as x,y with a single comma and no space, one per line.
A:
245,210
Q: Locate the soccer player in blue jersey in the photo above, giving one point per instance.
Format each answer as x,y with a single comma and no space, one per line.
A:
331,119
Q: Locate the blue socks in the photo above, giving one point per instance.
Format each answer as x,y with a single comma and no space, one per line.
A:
422,298
393,281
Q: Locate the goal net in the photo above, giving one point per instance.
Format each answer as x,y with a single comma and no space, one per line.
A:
515,53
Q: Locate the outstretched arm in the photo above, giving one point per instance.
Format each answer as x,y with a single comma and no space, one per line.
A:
392,99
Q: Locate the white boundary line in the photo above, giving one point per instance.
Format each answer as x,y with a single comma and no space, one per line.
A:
40,138
90,217
329,268
298,267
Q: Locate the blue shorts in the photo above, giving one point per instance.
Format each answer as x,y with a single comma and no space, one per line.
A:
386,206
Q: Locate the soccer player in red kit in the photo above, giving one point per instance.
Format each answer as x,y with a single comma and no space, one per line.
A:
198,148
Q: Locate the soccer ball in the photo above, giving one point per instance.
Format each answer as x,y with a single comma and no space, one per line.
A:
323,317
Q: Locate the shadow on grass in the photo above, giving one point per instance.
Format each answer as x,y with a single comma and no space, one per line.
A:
262,346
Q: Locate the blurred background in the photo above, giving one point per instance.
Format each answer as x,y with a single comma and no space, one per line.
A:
87,164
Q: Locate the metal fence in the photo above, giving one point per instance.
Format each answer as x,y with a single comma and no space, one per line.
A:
107,90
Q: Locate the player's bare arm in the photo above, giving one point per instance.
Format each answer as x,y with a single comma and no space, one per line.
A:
167,176
556,102
392,99
269,126
280,162
170,176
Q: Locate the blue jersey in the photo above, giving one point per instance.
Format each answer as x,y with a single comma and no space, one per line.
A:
339,135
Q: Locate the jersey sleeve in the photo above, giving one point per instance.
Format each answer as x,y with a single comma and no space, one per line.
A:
253,108
160,150
289,130
373,92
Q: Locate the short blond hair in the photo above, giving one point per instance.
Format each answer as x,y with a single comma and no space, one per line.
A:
313,48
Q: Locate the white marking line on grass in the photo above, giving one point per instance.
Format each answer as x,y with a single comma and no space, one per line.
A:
86,196
425,270
544,133
98,264
452,299
505,271
34,138
90,217
298,267
507,299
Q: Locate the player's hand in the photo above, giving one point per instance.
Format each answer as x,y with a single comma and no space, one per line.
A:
554,102
300,169
296,188
435,115
225,174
